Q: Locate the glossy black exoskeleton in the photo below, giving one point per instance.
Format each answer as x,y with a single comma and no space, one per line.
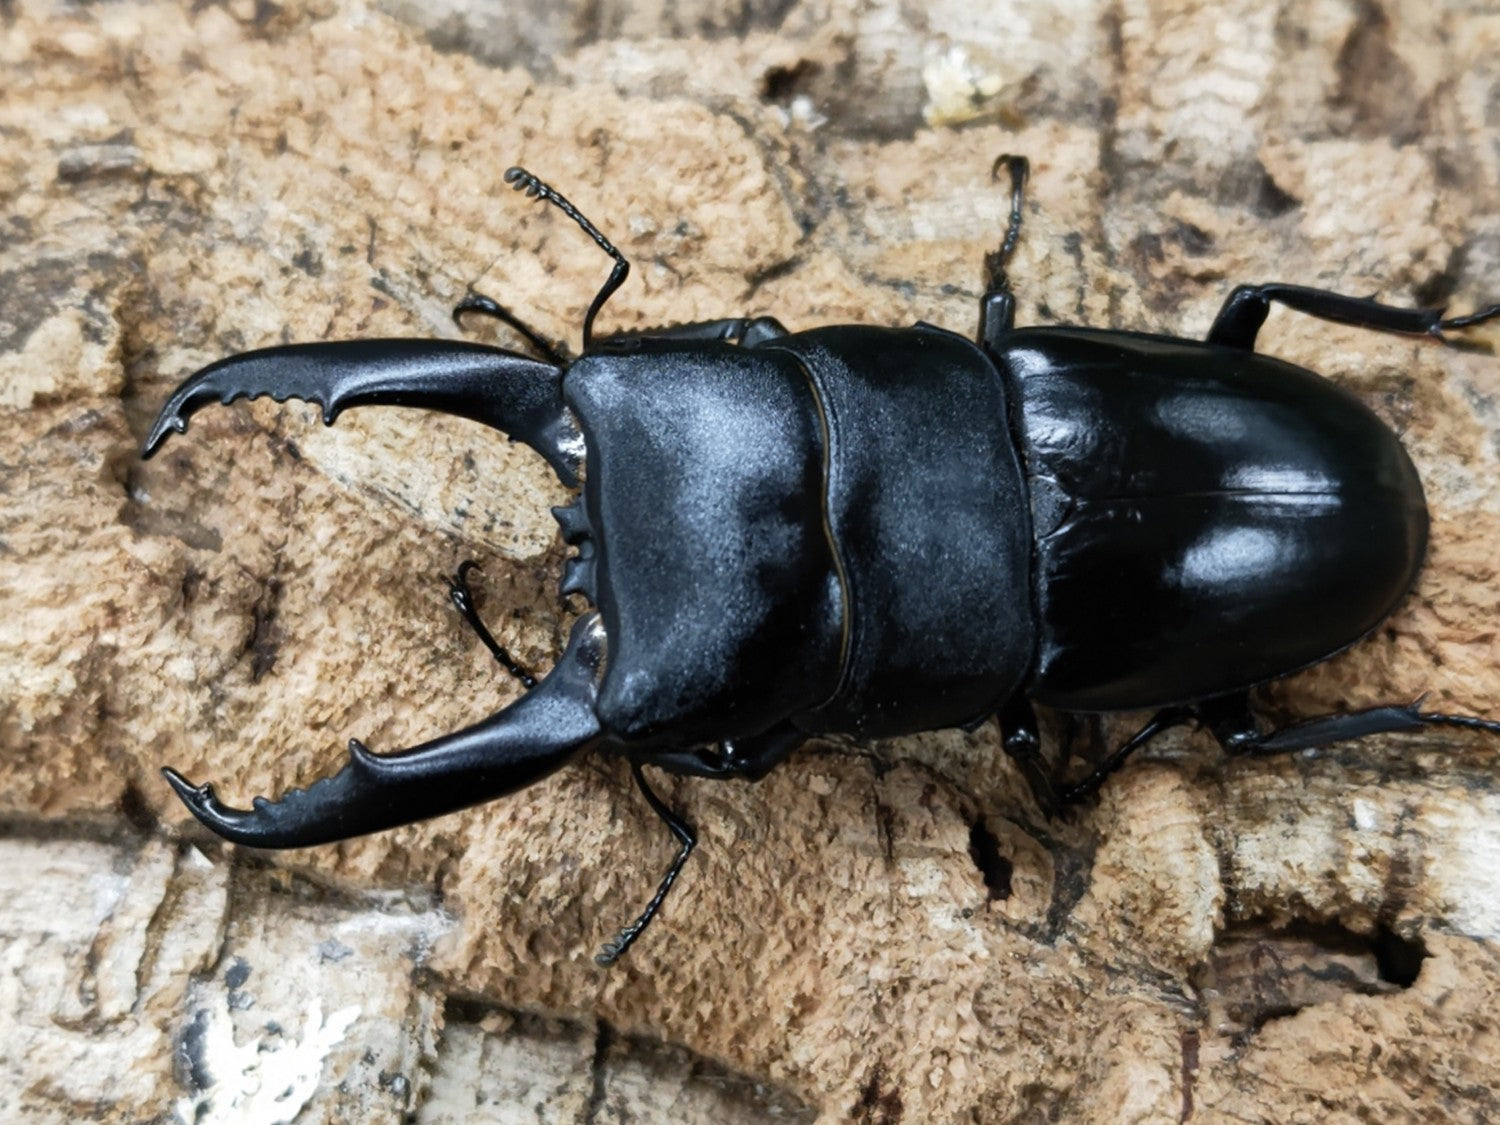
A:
875,531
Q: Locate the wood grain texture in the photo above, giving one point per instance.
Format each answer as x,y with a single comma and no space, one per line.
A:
881,934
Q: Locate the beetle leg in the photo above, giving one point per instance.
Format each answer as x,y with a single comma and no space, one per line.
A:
686,839
754,757
1018,730
522,180
995,264
997,308
1233,724
554,353
1246,308
748,758
997,316
463,600
760,330
521,744
698,761
1231,720
1162,721
519,396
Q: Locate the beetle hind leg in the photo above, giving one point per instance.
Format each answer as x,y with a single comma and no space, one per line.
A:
1246,309
1234,725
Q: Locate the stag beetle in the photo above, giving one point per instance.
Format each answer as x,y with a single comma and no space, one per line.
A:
870,531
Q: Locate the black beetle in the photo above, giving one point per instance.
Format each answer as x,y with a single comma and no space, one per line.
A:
873,531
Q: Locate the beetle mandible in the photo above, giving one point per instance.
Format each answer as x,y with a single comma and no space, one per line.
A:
870,531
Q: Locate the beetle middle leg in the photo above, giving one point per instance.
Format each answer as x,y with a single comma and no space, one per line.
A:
1246,309
1023,743
1159,723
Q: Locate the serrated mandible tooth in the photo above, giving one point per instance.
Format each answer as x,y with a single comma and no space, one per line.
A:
573,520
578,577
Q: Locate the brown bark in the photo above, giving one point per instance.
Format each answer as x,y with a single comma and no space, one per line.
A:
894,935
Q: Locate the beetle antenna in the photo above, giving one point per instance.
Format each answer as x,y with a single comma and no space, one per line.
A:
522,180
615,949
995,264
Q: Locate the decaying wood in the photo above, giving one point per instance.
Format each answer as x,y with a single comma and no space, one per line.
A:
881,935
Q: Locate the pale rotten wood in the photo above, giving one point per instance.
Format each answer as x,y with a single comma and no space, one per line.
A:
1202,943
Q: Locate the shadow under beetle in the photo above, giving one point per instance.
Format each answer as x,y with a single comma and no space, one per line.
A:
874,531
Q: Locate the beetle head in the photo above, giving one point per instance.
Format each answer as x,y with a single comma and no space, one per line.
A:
701,538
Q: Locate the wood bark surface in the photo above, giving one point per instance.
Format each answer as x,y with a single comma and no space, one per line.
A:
884,933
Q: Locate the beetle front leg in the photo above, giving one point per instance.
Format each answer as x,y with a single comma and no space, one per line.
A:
462,598
743,330
750,758
747,758
1246,309
613,950
477,303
